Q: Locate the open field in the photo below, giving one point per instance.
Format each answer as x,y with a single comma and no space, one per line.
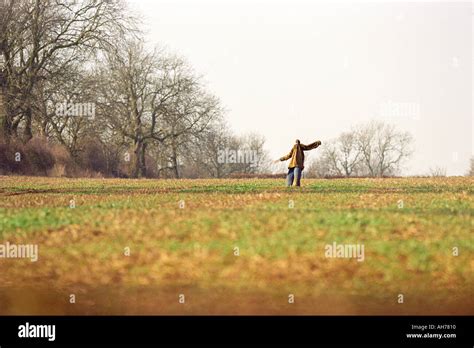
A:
182,235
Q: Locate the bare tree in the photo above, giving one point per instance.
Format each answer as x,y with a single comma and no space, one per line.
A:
124,93
383,148
437,172
372,149
350,156
182,107
153,99
203,153
42,37
255,157
341,156
61,120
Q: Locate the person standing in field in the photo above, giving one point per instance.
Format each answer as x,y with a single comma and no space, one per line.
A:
296,166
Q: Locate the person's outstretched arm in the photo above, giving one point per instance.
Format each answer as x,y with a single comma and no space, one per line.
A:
310,146
284,158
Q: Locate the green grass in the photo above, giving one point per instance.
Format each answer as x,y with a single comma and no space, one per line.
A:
281,232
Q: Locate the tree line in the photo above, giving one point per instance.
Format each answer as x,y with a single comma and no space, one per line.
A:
81,93
373,149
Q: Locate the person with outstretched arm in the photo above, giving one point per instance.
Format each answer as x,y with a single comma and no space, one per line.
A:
296,165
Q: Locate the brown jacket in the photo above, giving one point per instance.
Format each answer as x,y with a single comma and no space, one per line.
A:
297,154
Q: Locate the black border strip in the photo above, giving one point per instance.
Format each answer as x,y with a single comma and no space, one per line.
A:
274,330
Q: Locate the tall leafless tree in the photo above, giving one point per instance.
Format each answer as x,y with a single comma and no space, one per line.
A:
39,38
153,99
383,147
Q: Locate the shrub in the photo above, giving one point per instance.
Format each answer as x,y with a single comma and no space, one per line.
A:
39,156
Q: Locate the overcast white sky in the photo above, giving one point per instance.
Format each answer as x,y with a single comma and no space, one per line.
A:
306,69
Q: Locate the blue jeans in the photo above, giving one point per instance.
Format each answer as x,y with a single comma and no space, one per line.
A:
292,172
